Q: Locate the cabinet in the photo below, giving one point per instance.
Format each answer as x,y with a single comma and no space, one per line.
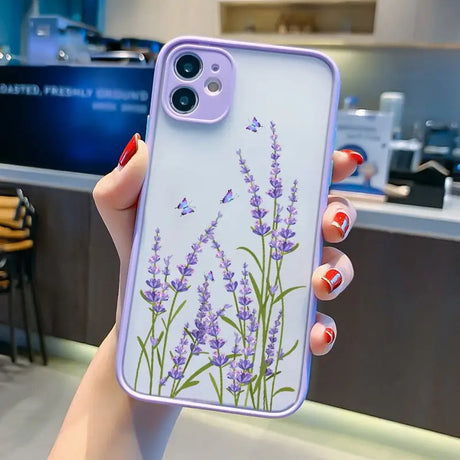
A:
342,22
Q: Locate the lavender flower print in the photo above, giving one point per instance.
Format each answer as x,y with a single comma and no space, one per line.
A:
179,358
270,350
260,228
162,302
263,344
244,370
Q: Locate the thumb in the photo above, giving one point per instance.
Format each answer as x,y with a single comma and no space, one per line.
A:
116,195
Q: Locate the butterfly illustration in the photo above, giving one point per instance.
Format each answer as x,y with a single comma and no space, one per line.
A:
228,197
254,125
209,276
184,207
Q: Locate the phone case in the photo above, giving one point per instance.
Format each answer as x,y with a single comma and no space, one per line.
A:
219,305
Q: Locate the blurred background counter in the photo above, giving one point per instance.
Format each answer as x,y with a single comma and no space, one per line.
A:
397,323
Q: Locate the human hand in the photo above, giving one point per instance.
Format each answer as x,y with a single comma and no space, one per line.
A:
116,197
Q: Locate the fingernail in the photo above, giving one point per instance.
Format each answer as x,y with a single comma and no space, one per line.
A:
355,155
329,335
333,278
129,151
342,222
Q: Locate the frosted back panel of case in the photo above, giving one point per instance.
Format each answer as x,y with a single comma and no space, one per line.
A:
245,345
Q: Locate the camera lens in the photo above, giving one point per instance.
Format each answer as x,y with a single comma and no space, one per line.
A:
184,100
188,66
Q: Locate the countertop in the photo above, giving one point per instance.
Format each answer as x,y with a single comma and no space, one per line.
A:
411,220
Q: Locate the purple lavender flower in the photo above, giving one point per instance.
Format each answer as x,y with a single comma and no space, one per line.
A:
201,320
185,270
253,325
218,358
277,218
179,358
225,263
157,294
236,347
180,284
270,350
244,298
281,238
153,341
286,233
258,213
277,185
233,375
176,374
166,261
261,229
244,378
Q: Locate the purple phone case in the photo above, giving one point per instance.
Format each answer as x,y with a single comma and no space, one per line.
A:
129,310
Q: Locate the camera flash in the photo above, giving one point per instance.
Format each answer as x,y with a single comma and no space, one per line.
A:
213,86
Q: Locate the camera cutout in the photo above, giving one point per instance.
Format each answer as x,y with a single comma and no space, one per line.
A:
184,100
191,90
188,66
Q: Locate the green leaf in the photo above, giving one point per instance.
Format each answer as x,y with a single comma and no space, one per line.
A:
243,248
164,323
188,385
143,350
293,249
179,308
272,375
251,393
159,357
229,321
145,298
291,349
190,335
256,290
283,390
214,384
286,292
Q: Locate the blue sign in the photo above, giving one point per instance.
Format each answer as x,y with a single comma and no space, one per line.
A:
71,118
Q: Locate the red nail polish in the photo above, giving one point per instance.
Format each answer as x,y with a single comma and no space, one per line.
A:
355,155
342,222
333,278
129,151
329,335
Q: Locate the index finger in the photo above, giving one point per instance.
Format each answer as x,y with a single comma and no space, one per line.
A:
344,164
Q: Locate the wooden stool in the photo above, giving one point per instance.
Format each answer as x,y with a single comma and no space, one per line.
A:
17,216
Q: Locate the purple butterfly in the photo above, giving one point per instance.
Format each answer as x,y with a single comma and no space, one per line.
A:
209,276
254,125
184,207
228,197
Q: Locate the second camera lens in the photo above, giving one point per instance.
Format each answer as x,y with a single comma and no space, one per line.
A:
188,66
184,100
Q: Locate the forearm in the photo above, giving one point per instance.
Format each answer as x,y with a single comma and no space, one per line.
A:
104,422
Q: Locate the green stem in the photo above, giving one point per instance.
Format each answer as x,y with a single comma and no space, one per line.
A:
151,354
280,342
165,339
174,391
140,358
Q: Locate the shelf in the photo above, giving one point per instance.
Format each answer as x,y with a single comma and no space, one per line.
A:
313,17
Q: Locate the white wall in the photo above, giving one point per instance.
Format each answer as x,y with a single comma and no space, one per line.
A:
161,19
